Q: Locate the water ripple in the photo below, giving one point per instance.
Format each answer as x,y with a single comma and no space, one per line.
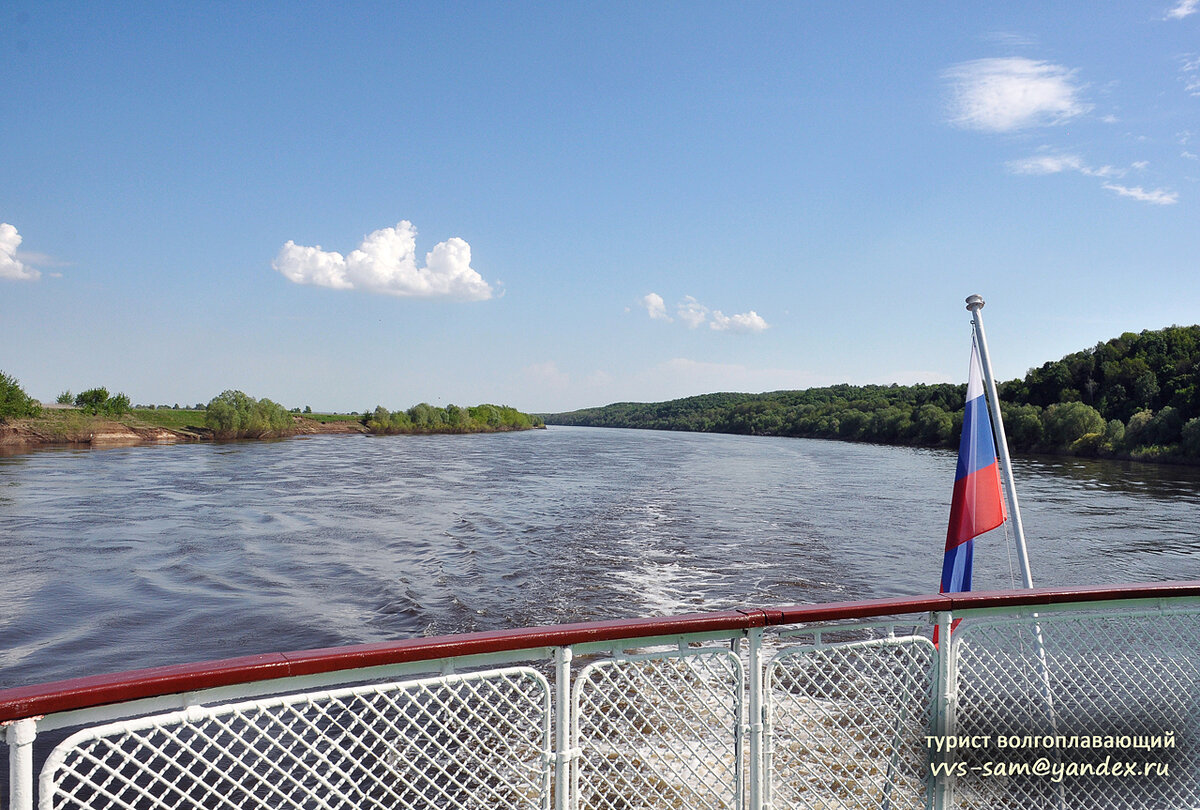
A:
151,555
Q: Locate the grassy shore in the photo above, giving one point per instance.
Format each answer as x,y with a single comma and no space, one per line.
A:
64,425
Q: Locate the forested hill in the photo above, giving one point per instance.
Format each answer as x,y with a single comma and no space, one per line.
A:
1136,396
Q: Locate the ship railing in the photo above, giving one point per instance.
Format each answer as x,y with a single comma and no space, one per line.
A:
1051,698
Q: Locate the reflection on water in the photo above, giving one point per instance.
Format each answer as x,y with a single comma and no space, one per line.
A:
141,556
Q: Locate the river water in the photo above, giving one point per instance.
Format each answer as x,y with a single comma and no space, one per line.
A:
133,557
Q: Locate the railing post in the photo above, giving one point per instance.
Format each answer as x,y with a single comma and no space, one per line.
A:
20,737
759,795
941,785
563,732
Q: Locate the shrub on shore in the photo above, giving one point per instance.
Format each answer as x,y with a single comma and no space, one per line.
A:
234,415
96,401
14,402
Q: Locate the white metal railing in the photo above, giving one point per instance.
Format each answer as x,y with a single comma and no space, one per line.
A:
800,707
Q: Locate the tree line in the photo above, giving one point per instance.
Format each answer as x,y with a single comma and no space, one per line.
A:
1135,396
234,414
426,418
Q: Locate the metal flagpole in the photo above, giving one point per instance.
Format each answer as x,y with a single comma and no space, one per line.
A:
974,304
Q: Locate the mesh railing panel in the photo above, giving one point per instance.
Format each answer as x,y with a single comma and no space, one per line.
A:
660,732
847,724
469,741
1105,676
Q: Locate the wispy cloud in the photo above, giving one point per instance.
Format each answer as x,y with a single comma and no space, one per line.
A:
694,314
1009,39
1156,196
386,263
1183,8
11,267
1189,73
1012,93
1046,164
1056,163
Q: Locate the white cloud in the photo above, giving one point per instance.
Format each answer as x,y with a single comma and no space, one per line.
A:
655,305
1005,94
691,312
1190,74
1046,164
1009,39
385,262
1053,164
1183,9
746,322
1158,196
695,314
10,266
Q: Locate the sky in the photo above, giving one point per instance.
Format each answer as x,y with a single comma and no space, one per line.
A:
563,205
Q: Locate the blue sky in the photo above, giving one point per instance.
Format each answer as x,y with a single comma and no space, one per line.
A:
563,205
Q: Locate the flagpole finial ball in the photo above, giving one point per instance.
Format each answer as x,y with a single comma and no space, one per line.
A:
975,302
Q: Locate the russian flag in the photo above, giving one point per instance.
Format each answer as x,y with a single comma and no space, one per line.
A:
978,505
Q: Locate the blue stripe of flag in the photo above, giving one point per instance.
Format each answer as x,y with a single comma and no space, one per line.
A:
976,449
956,568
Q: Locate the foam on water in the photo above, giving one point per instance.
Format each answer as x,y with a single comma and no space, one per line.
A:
142,556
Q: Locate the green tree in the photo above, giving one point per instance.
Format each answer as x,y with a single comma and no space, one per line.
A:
1191,438
65,398
933,425
234,415
116,405
1135,431
92,400
1164,428
378,420
14,402
1022,425
1065,422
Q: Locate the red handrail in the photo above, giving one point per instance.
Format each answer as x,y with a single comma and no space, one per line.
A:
97,690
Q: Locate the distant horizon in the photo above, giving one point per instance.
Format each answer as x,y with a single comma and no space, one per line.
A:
556,206
440,402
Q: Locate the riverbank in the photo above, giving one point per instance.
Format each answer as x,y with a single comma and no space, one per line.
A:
68,427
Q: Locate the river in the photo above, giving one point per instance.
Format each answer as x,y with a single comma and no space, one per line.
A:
140,556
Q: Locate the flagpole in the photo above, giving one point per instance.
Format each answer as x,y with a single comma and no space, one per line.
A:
974,304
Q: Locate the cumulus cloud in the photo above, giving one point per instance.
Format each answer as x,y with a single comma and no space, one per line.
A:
1183,8
657,308
1006,94
691,312
12,267
1157,196
695,314
745,323
386,262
